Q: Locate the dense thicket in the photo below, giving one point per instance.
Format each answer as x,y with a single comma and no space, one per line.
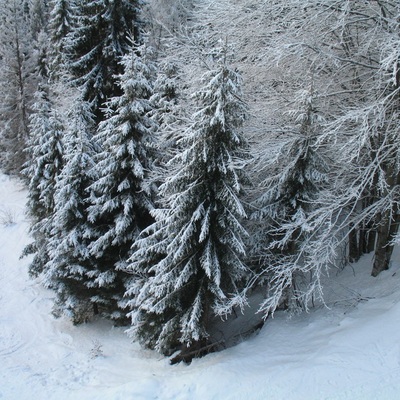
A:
348,49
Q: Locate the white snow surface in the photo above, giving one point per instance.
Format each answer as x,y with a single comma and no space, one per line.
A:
350,350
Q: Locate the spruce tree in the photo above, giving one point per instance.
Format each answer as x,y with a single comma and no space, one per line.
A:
165,96
293,180
60,24
122,200
69,269
165,108
98,40
188,263
38,16
45,161
294,176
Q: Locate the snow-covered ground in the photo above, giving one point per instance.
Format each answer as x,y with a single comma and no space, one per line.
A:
350,350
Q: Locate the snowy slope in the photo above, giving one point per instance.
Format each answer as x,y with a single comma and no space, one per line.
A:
350,350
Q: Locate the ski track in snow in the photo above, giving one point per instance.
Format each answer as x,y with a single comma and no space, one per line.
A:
350,351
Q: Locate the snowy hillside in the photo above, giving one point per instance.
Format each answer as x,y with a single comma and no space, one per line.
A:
350,350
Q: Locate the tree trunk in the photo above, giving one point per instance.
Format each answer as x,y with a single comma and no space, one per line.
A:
394,227
362,241
382,257
368,233
371,241
354,253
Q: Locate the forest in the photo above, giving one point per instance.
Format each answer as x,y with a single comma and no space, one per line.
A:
179,161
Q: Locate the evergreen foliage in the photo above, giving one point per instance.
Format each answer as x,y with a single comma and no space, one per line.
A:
38,16
45,149
70,267
98,40
165,108
42,69
60,25
290,190
189,262
122,200
45,154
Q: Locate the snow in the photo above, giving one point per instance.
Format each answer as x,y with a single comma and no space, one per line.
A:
350,350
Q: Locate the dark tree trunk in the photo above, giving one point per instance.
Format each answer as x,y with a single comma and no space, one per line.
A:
368,232
354,247
371,241
386,232
362,241
394,227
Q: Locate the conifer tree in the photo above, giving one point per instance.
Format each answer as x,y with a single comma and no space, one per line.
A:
41,51
38,17
165,96
98,40
45,149
69,269
122,200
189,262
60,24
294,178
165,108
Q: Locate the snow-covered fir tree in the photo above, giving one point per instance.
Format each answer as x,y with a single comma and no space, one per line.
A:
95,45
60,24
70,266
41,54
38,16
189,264
122,200
291,183
165,107
45,161
45,155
